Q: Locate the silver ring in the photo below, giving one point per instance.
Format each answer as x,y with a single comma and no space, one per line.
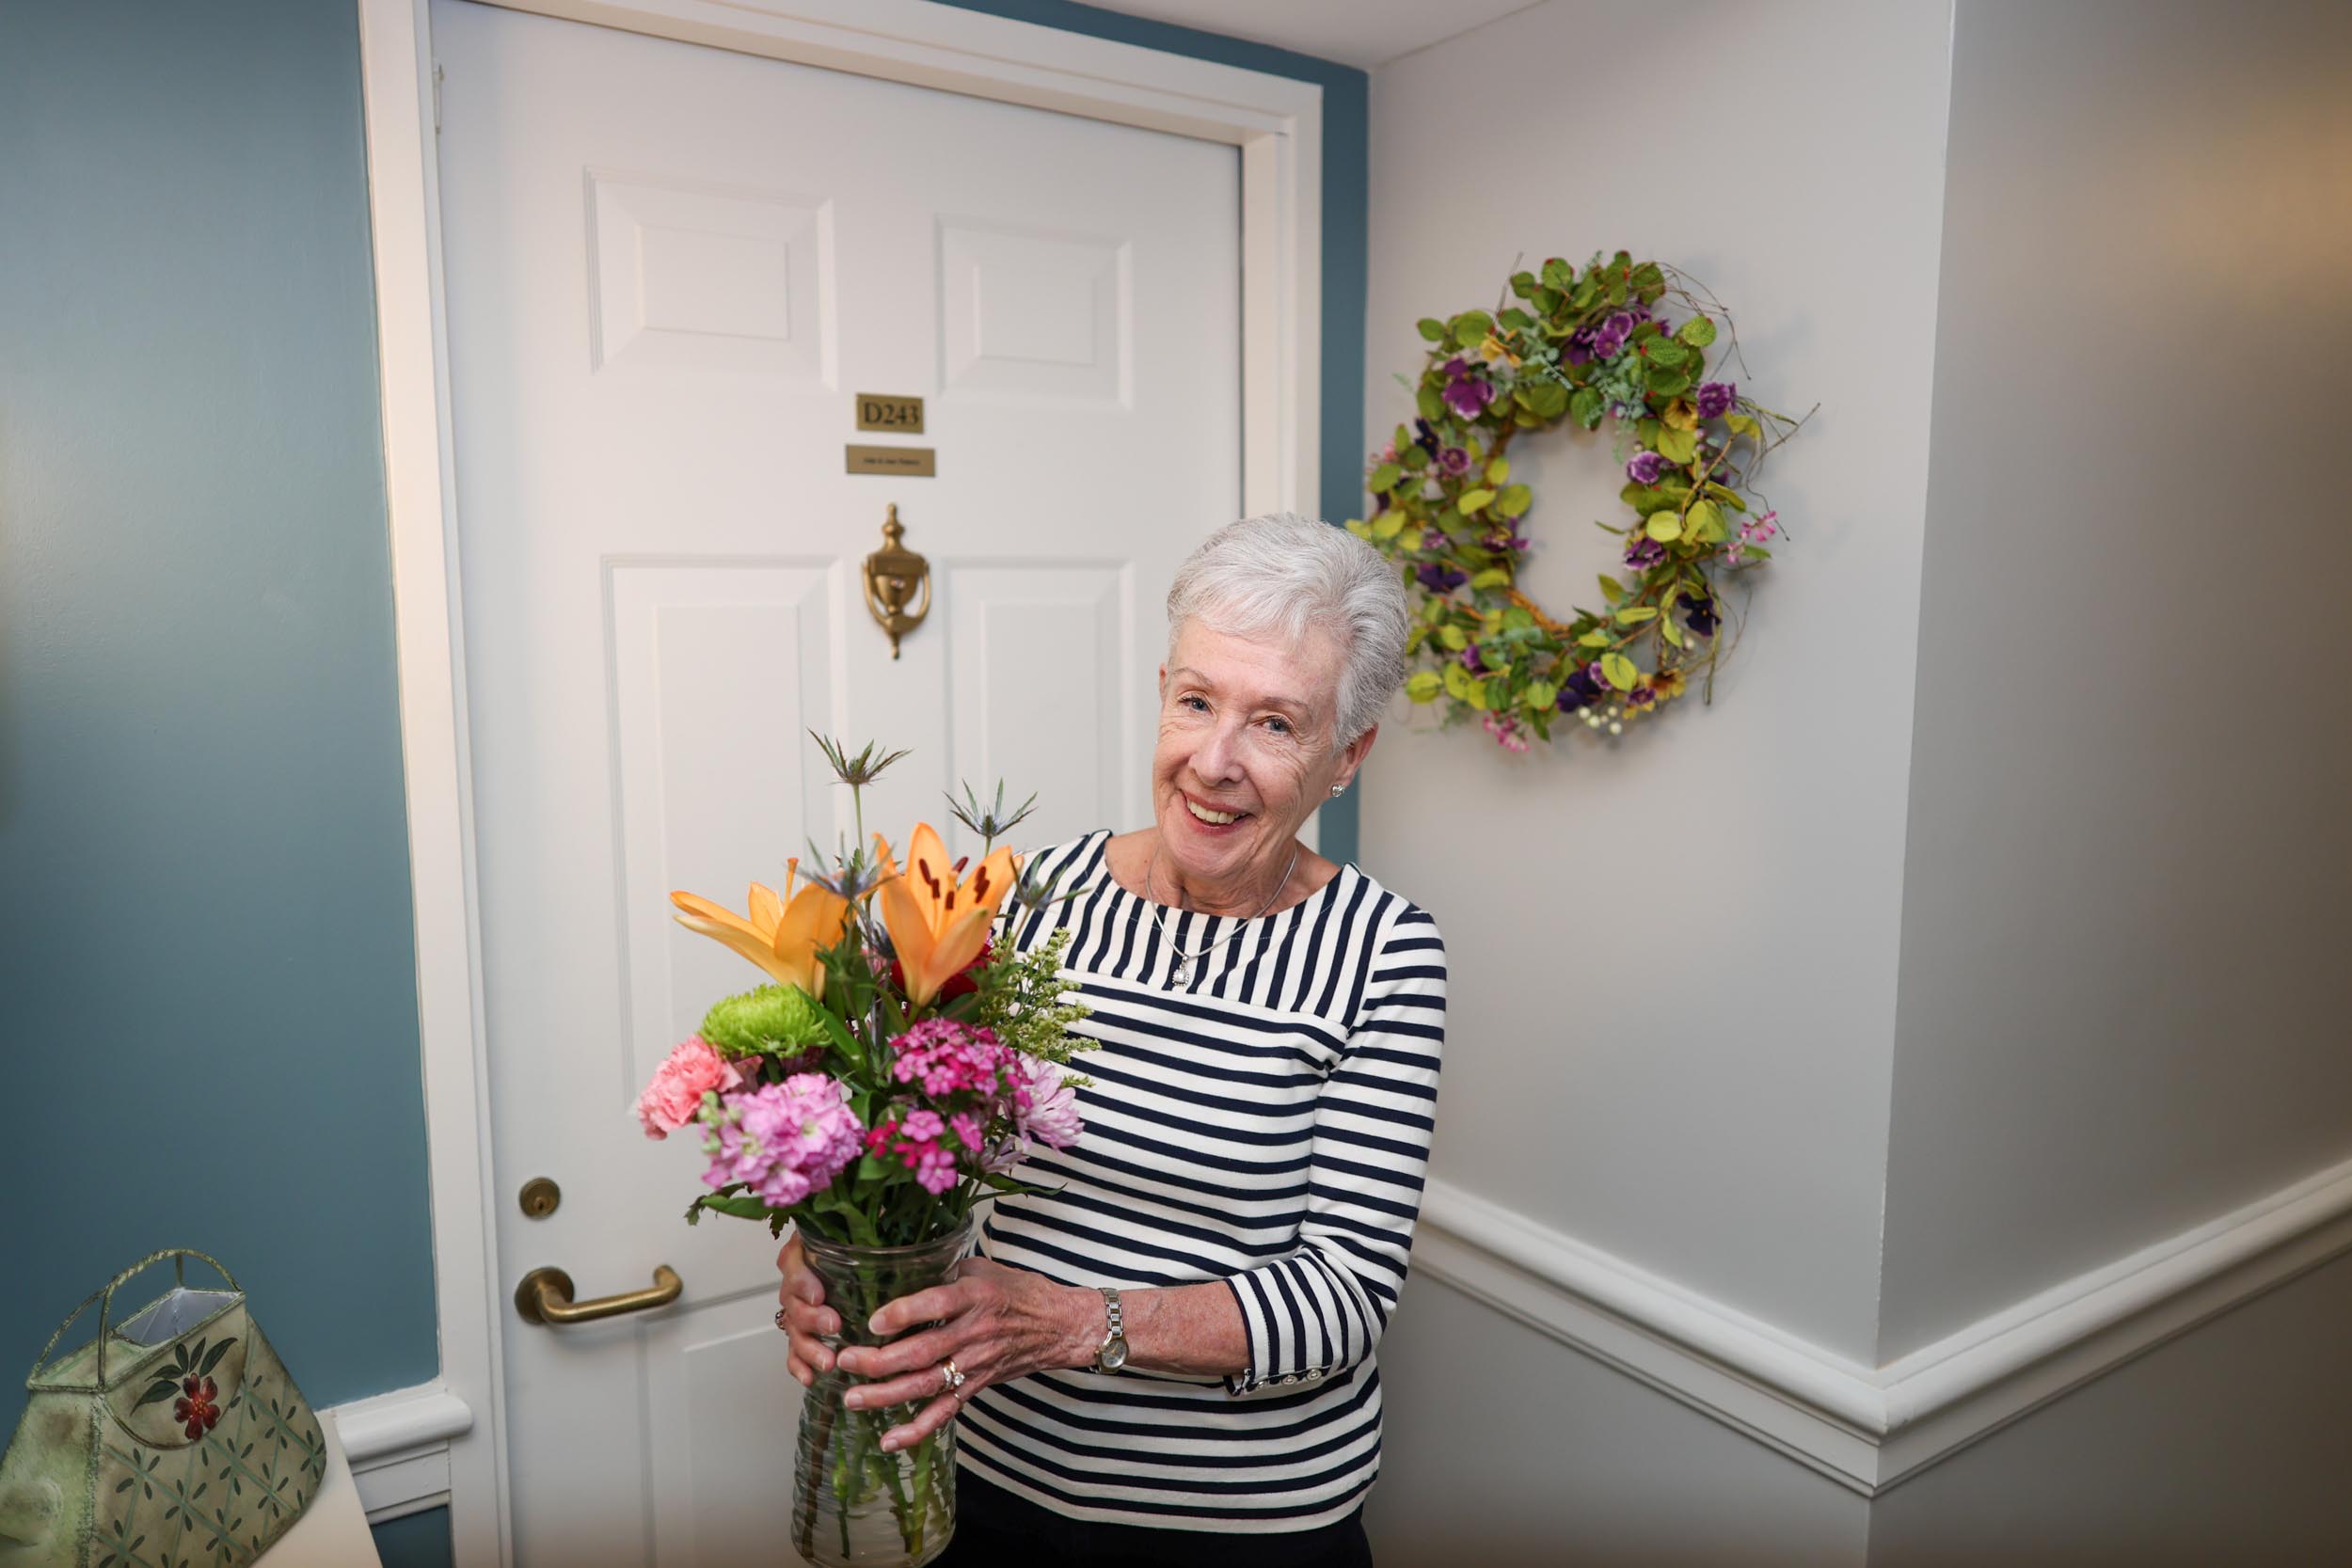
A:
949,1379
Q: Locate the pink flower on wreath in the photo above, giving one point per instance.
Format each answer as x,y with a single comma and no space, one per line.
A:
676,1094
1504,728
785,1140
946,1057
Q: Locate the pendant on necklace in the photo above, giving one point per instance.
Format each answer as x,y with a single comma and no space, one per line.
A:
1182,974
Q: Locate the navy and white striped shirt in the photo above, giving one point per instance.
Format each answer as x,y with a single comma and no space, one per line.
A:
1264,1123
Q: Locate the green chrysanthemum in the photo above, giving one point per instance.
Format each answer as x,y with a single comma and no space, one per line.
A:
775,1021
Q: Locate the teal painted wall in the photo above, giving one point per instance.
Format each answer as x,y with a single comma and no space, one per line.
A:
1346,192
207,988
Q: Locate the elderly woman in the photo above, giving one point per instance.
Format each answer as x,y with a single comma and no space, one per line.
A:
1169,1358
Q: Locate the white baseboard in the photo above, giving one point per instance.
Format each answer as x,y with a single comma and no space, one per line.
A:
398,1445
1870,1427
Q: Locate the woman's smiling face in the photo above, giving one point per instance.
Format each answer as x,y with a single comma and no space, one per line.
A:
1248,750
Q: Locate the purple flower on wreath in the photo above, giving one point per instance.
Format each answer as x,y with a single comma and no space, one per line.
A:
1439,578
1425,437
1644,553
1505,537
1467,393
1473,660
1648,468
1453,462
1581,346
1608,338
1716,398
1641,696
1581,690
1702,613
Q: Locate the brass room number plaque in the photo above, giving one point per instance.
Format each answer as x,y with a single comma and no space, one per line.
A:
898,416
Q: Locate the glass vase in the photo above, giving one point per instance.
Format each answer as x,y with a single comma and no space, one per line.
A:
851,1501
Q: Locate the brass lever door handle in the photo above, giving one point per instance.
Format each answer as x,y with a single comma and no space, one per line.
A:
544,1296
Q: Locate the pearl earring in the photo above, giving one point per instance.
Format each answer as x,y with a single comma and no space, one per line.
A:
1338,789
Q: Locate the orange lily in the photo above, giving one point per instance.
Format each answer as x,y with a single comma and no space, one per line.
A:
782,935
937,924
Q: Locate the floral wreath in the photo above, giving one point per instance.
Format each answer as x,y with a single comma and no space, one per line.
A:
1593,345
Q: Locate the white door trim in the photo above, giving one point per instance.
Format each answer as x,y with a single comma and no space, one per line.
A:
1276,122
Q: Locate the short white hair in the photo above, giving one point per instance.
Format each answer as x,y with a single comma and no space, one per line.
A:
1283,575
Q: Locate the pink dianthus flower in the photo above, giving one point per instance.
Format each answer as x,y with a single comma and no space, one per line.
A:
946,1057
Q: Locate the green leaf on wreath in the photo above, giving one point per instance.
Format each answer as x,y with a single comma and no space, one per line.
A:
1431,329
1432,407
1514,500
1388,525
1360,529
1665,351
1384,478
1515,318
1424,686
1473,499
1671,633
1584,407
1742,425
1453,636
1675,446
1757,552
1619,672
1457,683
1476,695
1596,638
1699,332
1541,696
1665,383
1634,614
1546,400
1497,470
1493,576
1664,527
1729,498
1557,273
1612,589
1471,326
1706,523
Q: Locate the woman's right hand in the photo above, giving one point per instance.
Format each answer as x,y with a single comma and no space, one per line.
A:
804,1316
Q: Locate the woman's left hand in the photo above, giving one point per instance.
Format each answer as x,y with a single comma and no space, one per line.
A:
996,1323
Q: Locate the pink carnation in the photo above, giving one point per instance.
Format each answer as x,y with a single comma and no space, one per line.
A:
676,1094
784,1140
1044,1106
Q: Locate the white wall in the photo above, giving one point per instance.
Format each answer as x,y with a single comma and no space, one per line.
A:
2123,994
1673,957
2230,1445
1504,1451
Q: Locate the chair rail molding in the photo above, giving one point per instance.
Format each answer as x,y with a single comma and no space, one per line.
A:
1867,1427
398,1448
1276,124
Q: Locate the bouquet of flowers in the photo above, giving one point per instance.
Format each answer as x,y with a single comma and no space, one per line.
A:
873,1094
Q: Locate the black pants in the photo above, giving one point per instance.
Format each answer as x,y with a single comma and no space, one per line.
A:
992,1527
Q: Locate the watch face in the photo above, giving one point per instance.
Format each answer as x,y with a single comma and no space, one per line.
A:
1115,1355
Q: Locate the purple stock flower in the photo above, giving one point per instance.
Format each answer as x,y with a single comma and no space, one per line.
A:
1715,398
1648,468
1644,553
1453,462
1439,578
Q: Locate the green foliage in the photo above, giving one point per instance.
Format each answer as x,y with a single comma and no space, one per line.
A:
1024,1001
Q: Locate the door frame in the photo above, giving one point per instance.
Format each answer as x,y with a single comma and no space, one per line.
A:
1276,123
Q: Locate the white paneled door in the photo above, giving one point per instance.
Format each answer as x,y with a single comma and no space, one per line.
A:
669,270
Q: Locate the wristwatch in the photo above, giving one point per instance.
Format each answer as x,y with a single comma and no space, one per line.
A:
1113,1354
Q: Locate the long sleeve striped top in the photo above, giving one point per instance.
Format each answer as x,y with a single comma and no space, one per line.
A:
1263,1120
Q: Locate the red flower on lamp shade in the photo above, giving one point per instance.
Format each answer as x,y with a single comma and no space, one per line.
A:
196,1409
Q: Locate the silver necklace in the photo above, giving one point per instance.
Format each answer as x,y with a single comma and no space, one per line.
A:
1182,974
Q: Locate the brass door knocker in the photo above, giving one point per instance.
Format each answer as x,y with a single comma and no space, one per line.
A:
894,575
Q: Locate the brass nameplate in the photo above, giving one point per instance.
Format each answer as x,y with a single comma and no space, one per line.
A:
898,416
906,461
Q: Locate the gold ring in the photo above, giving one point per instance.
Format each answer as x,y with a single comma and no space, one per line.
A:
949,1379
779,1317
